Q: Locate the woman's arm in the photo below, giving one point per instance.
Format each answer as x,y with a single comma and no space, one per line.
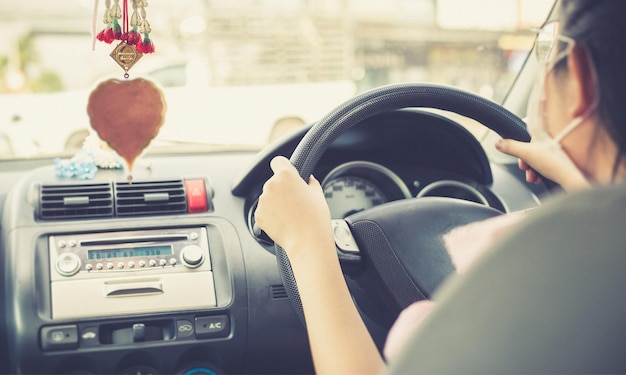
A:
295,215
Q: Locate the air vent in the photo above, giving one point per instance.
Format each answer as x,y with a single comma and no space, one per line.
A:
60,202
150,198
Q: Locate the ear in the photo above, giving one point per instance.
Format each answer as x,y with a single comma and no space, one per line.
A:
582,81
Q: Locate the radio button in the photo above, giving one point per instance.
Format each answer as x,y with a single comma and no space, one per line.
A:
72,243
99,266
131,264
163,262
110,266
68,264
152,263
192,256
184,328
62,244
120,265
142,263
59,337
88,266
173,261
193,236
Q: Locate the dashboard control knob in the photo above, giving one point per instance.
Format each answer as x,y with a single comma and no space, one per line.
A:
162,262
192,256
68,264
198,368
152,263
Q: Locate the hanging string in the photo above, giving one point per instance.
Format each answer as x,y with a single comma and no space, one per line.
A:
125,20
93,25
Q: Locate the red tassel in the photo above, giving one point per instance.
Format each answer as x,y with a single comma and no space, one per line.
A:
116,30
145,46
109,36
100,35
106,35
133,37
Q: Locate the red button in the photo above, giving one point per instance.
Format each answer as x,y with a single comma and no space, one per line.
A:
196,196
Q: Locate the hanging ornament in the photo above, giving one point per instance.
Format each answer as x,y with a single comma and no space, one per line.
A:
144,46
133,33
127,129
126,114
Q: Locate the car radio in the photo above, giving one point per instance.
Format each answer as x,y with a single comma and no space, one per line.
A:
112,273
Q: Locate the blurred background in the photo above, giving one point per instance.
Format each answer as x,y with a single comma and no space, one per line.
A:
330,49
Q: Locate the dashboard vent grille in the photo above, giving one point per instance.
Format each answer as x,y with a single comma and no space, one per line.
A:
59,202
150,198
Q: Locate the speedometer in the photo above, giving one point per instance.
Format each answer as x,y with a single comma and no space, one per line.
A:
350,194
359,185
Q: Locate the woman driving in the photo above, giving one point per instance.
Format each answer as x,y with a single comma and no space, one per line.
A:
575,118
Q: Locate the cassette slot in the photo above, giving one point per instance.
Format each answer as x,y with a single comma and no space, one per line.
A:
138,239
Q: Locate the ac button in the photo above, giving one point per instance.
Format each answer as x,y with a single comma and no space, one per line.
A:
212,326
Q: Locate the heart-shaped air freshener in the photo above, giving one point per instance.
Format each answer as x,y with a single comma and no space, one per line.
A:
127,115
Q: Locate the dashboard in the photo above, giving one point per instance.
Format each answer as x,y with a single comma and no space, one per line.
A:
167,275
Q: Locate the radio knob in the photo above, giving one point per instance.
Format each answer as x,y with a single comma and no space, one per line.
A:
68,264
192,256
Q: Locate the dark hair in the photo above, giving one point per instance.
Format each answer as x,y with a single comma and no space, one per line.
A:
600,27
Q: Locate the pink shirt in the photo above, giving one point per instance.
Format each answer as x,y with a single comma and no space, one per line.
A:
465,244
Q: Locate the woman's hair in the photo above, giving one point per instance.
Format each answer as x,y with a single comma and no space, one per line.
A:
600,27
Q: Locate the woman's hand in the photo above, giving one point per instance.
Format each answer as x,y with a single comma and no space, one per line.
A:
548,160
295,215
292,212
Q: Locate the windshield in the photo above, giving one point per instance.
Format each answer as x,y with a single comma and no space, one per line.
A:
241,73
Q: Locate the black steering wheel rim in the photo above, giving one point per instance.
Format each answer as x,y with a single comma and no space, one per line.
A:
317,140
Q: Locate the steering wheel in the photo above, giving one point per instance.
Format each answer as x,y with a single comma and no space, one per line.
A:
400,242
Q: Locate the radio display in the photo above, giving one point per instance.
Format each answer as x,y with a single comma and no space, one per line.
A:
129,252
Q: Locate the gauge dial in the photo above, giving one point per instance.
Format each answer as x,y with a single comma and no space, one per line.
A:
349,194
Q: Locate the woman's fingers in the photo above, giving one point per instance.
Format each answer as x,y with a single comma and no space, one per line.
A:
280,163
522,150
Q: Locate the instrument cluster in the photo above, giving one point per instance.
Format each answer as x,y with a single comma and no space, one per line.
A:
359,185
